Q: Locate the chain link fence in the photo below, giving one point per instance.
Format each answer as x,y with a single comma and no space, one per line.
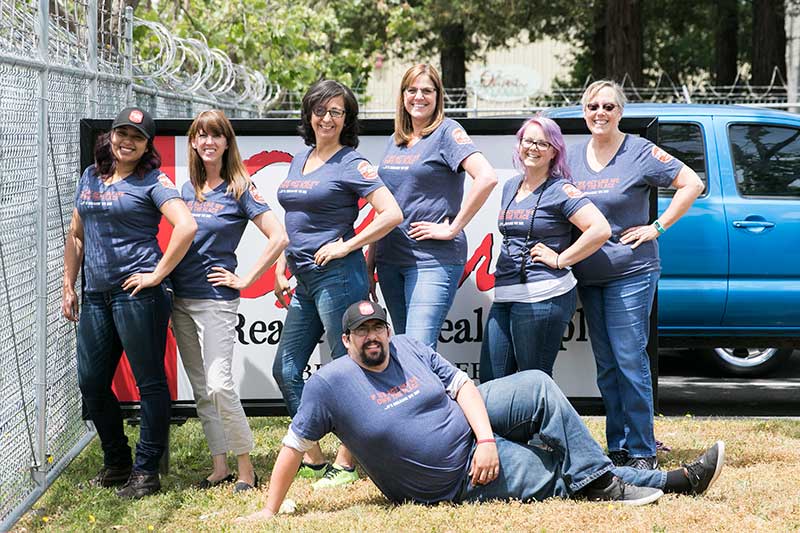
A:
61,61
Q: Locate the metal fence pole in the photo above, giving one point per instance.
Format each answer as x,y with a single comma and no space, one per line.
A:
91,48
39,468
128,72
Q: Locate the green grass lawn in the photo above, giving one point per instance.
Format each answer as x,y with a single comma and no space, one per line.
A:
759,490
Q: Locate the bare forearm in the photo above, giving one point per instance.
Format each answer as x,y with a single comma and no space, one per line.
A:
478,193
471,402
283,473
269,256
380,226
681,202
588,243
73,257
179,243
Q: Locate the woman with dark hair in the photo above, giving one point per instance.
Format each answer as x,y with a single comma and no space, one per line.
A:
617,283
534,289
119,202
420,262
222,200
320,196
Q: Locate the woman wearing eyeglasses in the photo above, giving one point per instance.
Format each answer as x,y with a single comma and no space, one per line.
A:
617,283
420,262
534,293
320,196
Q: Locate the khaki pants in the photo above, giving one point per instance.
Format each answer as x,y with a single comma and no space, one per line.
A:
204,330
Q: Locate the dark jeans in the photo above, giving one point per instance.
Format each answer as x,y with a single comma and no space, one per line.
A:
110,322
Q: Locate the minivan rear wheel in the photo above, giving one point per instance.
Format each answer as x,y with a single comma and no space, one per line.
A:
747,362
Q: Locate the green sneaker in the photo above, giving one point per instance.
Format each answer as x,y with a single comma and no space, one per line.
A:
335,476
307,471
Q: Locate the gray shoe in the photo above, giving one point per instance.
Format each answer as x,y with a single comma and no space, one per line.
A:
621,492
704,470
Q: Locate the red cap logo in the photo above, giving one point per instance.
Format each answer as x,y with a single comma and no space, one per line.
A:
460,136
136,116
368,171
365,308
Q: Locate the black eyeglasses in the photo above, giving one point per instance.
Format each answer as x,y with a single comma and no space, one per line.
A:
321,111
606,107
363,331
540,146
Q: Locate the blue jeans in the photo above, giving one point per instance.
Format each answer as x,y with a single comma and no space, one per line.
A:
419,297
109,323
618,319
529,404
318,304
524,336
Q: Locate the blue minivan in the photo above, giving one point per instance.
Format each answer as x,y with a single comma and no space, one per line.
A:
730,285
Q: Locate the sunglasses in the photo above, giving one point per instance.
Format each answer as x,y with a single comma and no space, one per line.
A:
321,111
606,107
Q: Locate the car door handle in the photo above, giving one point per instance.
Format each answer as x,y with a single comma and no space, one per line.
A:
748,224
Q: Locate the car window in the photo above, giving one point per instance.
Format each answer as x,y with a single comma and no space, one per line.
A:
766,159
685,142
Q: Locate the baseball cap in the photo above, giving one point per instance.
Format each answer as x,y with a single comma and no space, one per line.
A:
360,312
138,118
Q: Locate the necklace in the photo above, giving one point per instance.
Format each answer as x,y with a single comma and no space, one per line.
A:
525,251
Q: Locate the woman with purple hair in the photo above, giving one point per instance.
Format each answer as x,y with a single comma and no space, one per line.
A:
534,294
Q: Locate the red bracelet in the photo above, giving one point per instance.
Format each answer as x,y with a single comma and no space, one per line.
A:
484,441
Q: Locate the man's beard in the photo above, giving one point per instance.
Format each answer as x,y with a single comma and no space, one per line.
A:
372,360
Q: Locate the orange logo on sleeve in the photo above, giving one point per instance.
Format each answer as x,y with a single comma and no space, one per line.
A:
255,194
164,180
460,136
368,171
661,155
571,190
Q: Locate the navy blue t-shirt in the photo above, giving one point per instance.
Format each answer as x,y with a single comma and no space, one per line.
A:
322,205
221,220
120,223
560,199
428,183
621,191
412,439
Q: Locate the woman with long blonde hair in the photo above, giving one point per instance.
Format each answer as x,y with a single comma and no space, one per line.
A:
222,200
420,262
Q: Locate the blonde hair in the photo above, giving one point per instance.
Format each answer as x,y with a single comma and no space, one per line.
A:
592,89
214,122
403,129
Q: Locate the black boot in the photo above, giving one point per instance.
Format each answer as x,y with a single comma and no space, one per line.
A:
139,485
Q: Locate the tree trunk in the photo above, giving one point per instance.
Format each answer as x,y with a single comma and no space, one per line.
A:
726,51
452,57
624,40
769,41
599,40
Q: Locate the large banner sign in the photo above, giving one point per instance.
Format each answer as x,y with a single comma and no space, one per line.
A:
267,147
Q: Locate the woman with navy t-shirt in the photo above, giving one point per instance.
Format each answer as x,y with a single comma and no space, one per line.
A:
222,200
534,289
320,196
618,282
420,262
119,202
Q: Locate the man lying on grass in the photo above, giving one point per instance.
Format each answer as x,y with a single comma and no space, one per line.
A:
424,433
